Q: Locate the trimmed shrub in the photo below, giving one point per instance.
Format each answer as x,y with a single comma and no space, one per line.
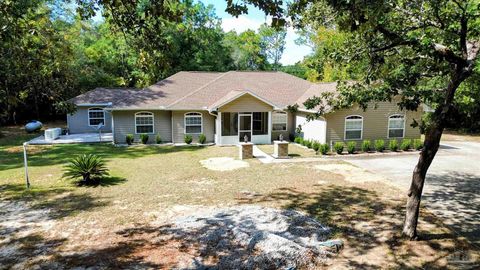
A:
202,138
366,146
324,148
298,140
393,145
158,139
417,144
338,147
406,144
316,146
188,139
308,143
379,145
144,138
88,167
304,142
129,139
351,147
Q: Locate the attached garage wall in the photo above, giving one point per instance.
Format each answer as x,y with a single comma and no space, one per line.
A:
375,122
208,126
124,123
312,130
78,121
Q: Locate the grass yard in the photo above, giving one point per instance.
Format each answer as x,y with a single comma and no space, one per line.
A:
117,224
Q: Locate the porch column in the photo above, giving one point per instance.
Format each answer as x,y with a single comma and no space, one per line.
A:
219,129
270,124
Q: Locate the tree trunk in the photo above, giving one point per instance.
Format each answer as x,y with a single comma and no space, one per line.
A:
430,148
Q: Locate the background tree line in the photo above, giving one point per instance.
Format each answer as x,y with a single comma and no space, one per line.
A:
52,50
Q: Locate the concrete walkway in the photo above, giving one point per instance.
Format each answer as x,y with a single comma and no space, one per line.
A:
451,188
262,156
75,138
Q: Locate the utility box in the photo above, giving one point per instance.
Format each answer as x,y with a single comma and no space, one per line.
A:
245,150
52,134
280,149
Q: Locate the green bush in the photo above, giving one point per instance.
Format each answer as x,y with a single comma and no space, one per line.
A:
393,145
88,167
366,146
202,138
129,139
308,143
324,148
338,147
188,139
316,146
406,144
379,145
351,147
158,139
417,144
298,140
144,138
304,142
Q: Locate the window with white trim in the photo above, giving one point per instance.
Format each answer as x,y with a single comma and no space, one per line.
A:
279,121
96,116
144,122
396,126
193,123
353,127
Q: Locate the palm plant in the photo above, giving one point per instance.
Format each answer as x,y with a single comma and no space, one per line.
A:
88,167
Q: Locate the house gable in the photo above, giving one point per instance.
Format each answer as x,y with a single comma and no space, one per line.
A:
245,102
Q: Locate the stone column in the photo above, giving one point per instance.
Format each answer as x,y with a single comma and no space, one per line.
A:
280,149
245,150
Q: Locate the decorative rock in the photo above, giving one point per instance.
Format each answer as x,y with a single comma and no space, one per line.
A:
245,150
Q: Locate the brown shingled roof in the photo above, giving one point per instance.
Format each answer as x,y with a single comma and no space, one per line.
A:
202,90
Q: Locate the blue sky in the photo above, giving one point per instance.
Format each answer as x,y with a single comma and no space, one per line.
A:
293,52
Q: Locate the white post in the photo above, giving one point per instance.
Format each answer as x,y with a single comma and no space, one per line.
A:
26,163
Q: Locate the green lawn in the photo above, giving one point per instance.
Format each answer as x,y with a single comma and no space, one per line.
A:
150,185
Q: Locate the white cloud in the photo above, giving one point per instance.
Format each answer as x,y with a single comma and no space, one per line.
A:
292,53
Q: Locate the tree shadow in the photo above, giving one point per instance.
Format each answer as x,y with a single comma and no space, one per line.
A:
455,199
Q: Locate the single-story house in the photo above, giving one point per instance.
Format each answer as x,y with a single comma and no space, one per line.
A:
226,106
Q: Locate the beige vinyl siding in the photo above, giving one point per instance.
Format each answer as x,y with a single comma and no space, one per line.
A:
290,128
78,121
178,124
246,103
124,123
375,122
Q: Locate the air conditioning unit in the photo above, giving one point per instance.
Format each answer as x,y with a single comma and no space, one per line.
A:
52,134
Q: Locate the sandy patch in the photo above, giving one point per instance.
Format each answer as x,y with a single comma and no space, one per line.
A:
223,164
351,173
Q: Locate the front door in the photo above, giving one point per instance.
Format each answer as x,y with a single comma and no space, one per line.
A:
244,126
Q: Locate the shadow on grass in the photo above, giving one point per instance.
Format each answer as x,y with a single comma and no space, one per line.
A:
103,182
61,154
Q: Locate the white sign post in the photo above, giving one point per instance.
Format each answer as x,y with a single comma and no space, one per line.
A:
26,163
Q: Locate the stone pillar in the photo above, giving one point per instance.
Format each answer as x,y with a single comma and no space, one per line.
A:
245,150
280,149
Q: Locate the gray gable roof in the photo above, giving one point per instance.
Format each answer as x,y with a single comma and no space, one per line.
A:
189,90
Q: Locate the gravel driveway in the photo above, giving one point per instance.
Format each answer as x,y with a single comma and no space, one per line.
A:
452,185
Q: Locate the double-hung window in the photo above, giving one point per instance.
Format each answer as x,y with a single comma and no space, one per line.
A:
396,126
193,123
144,122
96,116
353,127
279,121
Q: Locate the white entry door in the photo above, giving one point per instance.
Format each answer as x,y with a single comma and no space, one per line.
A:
244,126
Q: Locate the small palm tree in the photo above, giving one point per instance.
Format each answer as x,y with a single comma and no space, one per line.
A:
85,166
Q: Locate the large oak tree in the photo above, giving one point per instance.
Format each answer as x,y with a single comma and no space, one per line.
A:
418,51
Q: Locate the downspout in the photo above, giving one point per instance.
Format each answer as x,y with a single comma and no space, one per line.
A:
216,139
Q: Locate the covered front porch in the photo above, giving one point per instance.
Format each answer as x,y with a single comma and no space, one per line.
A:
245,116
